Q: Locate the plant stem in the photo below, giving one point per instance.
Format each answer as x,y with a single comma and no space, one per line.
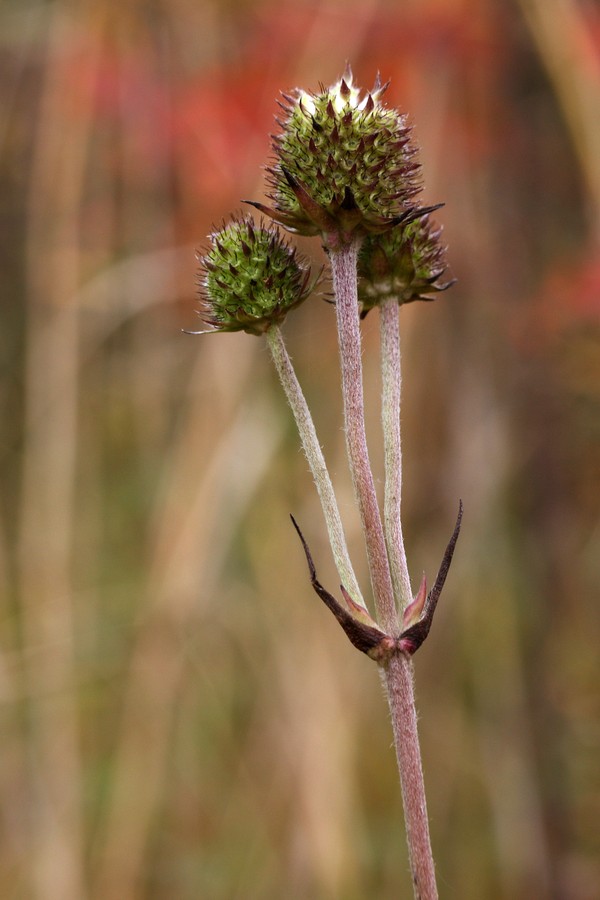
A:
399,684
316,461
343,265
398,672
390,416
399,675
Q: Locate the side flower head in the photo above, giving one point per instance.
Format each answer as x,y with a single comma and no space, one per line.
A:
406,263
344,164
251,277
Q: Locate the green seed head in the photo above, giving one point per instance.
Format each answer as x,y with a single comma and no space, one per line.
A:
406,263
344,164
251,278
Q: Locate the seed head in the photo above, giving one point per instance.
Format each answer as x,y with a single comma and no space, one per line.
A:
251,277
406,263
344,164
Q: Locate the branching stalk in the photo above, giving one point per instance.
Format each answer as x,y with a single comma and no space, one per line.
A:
398,670
390,416
343,265
316,461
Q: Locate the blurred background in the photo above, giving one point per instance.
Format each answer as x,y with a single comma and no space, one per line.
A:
181,718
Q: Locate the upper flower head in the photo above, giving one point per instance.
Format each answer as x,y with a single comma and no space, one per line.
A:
251,277
344,164
406,263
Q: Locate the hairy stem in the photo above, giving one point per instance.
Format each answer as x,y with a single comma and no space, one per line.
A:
390,416
343,265
399,685
316,461
398,672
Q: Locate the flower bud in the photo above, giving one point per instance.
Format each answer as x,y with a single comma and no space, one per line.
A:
406,264
344,164
251,277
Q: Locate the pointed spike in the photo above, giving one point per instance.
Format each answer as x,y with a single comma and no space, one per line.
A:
368,639
344,89
259,206
370,104
413,611
330,110
412,214
436,590
411,639
305,280
357,609
448,284
379,166
208,331
381,91
317,279
289,178
311,208
348,203
274,214
352,606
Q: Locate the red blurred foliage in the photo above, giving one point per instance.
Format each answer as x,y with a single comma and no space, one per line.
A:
568,300
126,88
220,124
588,39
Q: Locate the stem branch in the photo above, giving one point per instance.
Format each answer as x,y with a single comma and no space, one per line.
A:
316,461
398,672
343,265
390,416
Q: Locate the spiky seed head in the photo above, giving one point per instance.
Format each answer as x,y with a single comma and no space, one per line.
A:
406,263
344,164
251,277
